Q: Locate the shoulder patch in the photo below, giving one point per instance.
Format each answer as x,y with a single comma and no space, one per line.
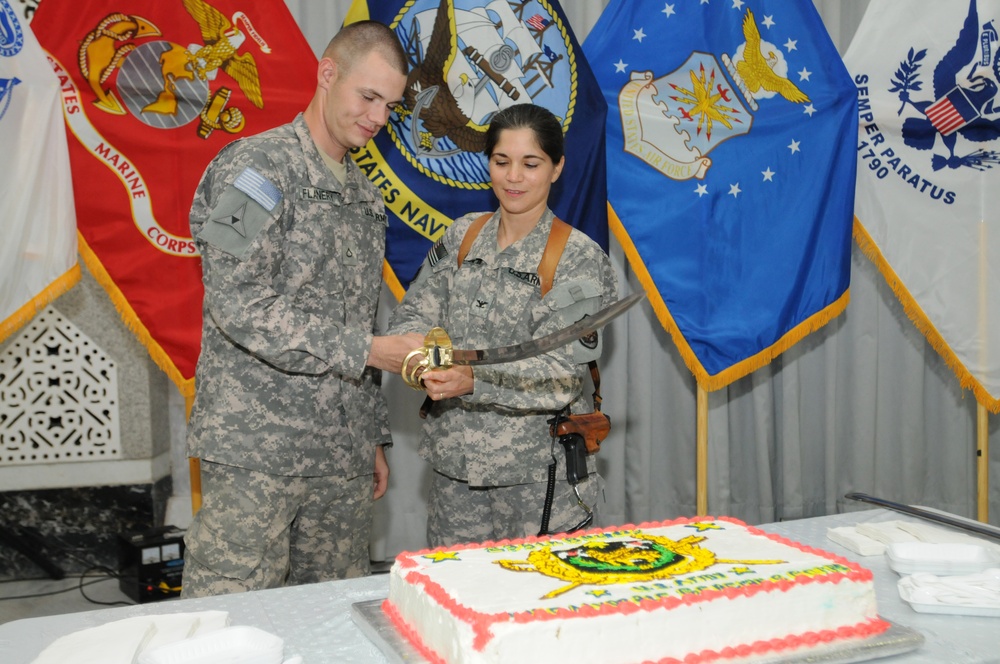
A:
259,188
234,222
437,253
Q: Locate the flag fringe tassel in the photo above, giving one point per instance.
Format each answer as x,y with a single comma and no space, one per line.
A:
711,383
134,324
920,320
30,309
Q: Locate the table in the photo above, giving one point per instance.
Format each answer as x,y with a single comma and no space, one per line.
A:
315,620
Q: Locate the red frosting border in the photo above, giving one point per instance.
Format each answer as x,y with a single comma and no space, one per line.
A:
481,623
410,634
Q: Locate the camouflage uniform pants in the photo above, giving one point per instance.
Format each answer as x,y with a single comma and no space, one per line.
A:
457,512
256,531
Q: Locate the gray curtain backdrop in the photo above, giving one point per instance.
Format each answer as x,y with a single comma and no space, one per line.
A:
865,404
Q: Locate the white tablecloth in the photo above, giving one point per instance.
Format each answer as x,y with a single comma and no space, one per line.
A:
315,620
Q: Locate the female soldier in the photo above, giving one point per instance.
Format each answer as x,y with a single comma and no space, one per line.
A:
487,434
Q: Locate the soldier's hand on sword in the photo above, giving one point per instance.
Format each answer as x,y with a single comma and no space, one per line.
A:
387,353
443,384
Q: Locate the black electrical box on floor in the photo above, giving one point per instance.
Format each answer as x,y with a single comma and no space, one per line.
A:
151,563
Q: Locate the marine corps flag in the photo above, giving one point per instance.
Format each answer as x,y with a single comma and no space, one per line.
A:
151,92
469,59
37,220
928,76
730,179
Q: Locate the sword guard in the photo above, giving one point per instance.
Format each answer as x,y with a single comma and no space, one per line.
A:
436,352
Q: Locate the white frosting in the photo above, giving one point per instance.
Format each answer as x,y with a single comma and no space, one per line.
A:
625,622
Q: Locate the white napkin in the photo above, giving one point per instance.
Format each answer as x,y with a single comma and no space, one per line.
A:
926,532
121,641
886,532
850,538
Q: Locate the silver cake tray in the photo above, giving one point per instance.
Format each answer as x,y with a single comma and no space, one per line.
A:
894,641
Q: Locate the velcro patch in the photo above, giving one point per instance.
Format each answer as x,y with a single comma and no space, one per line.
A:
315,194
259,188
437,253
575,301
234,223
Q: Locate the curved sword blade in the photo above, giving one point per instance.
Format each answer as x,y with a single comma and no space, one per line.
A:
534,347
953,520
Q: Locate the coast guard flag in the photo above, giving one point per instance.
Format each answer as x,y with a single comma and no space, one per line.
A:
468,59
151,92
927,77
37,219
730,176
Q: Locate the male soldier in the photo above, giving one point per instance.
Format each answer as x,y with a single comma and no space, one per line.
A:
288,419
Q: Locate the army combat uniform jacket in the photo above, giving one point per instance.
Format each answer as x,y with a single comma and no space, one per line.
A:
498,435
292,263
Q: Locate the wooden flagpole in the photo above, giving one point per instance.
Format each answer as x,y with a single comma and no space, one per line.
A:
982,463
702,450
982,417
194,464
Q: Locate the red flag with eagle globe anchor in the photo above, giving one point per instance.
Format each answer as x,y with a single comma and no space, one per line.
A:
151,92
468,59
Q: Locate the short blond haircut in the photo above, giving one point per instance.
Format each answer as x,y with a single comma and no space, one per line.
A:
357,40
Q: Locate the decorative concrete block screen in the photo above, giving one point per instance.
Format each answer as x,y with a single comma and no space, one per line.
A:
58,396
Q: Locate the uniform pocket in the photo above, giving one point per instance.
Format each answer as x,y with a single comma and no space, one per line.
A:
226,558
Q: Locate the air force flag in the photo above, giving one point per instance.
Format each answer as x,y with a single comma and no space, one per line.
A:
730,176
928,146
469,59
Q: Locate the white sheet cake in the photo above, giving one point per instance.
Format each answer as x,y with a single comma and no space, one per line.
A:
691,590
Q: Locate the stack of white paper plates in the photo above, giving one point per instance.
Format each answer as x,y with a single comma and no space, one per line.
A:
230,645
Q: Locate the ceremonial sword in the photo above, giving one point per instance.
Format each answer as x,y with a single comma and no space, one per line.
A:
929,514
437,350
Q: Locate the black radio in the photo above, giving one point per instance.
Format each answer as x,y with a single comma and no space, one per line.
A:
151,563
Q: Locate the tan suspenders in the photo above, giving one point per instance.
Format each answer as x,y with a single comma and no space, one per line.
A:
558,237
594,427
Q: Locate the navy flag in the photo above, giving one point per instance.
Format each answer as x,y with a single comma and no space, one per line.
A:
731,171
469,59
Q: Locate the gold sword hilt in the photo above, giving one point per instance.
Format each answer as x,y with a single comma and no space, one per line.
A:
436,352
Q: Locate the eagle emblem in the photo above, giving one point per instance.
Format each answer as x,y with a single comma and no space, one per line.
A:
638,557
757,69
677,119
468,60
222,39
966,101
431,99
165,84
